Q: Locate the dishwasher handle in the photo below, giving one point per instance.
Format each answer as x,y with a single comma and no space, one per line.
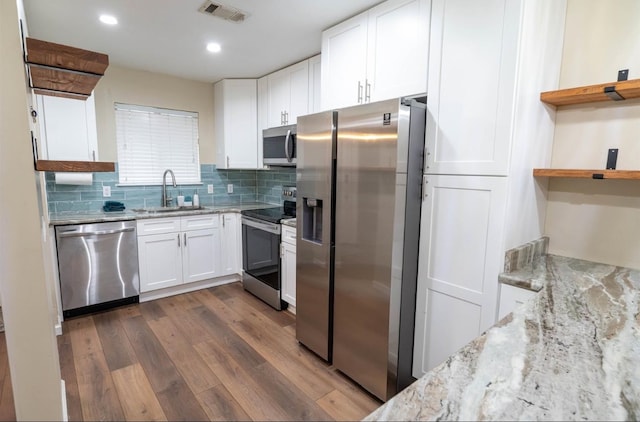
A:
77,233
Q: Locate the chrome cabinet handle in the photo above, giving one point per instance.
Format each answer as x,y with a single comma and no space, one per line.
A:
359,92
286,117
367,92
179,240
185,240
227,161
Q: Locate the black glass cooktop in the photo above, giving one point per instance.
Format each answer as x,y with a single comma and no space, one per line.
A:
272,215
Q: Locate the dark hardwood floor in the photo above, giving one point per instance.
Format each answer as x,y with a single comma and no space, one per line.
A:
214,354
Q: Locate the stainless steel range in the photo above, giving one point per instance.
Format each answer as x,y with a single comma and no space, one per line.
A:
261,273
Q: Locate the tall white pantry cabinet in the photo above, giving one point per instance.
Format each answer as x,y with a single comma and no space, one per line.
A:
486,129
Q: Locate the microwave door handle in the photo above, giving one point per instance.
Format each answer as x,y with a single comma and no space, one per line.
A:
286,145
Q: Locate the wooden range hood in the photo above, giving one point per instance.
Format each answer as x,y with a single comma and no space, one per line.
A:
60,70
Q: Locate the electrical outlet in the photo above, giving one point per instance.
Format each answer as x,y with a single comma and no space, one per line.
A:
106,191
230,188
209,188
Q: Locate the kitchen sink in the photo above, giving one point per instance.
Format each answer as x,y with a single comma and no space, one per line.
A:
164,210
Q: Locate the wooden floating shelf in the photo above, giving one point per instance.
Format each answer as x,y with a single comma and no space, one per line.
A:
61,70
75,166
588,174
612,91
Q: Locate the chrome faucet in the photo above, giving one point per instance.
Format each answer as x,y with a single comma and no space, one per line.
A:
166,202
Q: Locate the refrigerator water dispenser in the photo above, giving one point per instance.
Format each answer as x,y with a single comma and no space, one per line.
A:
312,220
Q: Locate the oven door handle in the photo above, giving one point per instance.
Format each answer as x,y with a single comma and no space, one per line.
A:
268,227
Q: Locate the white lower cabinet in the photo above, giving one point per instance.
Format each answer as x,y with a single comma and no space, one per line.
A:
512,297
288,264
231,241
160,261
461,238
173,251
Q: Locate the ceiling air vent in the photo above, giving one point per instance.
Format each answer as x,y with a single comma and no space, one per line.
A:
221,11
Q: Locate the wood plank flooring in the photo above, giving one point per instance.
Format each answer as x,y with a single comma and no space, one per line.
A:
214,354
7,409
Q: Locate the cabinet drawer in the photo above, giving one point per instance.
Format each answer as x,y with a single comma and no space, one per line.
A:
289,234
158,226
196,222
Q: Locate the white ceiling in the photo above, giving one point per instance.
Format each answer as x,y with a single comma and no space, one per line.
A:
170,36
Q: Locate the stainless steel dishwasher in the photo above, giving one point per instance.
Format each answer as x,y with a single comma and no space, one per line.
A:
98,266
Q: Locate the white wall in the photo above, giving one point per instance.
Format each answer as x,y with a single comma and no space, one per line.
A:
538,70
597,220
31,343
131,86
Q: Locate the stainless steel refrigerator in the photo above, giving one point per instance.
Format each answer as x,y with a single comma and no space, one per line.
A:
359,185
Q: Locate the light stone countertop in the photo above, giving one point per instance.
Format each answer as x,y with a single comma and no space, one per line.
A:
100,216
571,353
291,222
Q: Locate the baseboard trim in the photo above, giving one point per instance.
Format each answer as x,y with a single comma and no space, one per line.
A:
65,413
58,328
189,287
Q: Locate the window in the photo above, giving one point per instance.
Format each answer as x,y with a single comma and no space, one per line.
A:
151,140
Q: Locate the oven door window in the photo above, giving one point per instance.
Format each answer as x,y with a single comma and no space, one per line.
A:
261,255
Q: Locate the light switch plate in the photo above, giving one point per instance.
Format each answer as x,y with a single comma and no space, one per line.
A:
209,188
230,188
106,191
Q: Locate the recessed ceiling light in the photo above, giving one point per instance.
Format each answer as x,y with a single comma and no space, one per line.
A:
108,19
214,47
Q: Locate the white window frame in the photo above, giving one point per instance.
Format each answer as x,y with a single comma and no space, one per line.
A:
151,140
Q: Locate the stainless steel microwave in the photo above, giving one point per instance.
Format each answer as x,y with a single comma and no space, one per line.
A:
279,146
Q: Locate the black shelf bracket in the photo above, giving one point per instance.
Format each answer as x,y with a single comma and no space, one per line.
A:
612,93
623,75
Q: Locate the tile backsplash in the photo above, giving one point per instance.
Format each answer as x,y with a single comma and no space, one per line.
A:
248,186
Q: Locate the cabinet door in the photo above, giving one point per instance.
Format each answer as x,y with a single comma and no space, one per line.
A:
344,61
299,100
472,68
160,259
68,128
315,65
230,239
288,264
201,254
236,119
512,297
263,114
461,255
397,49
279,87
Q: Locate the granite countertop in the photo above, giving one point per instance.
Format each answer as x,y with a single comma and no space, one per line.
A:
291,222
99,216
571,353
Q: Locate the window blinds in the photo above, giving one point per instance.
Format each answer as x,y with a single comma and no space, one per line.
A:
151,140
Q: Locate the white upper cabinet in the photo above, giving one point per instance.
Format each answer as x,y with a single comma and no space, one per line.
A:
288,94
380,54
67,128
315,74
344,63
472,70
236,124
